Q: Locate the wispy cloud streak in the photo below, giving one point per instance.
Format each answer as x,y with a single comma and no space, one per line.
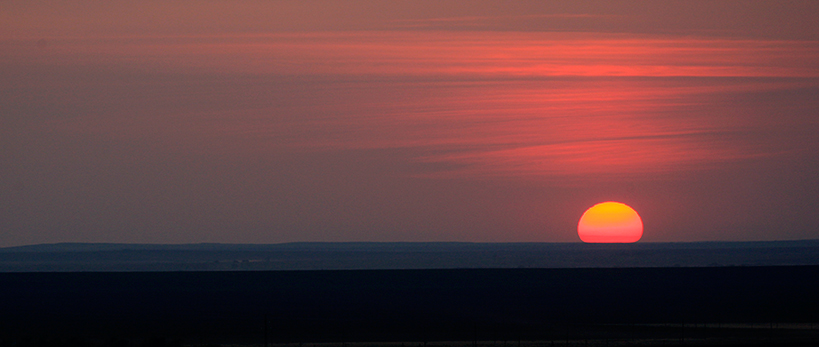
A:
488,104
484,21
451,54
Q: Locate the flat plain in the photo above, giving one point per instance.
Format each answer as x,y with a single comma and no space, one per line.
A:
767,305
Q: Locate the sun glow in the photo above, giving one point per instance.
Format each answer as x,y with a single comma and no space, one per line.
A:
610,222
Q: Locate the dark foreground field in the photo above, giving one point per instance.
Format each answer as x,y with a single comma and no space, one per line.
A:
505,307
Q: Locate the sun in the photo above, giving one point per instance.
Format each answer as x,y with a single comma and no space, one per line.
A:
610,222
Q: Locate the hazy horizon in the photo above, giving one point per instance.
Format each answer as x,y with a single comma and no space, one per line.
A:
353,243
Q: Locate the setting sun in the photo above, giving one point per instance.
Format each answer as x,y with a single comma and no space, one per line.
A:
610,222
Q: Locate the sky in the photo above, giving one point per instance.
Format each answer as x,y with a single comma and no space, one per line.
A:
480,121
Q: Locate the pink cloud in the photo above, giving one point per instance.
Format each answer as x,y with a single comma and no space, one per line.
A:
490,104
464,54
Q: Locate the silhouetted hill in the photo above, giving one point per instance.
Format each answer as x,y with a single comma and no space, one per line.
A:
399,255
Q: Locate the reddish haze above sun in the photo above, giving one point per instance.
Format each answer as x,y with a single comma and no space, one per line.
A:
610,222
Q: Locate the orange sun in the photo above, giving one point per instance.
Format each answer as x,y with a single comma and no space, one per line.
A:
610,222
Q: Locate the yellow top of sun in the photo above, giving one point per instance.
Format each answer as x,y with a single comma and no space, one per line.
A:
609,214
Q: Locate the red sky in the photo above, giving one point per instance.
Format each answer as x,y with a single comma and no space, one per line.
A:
257,121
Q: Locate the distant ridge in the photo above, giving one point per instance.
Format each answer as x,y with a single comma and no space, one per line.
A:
116,257
395,246
95,247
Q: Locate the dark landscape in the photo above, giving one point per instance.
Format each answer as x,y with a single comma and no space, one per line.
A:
596,306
